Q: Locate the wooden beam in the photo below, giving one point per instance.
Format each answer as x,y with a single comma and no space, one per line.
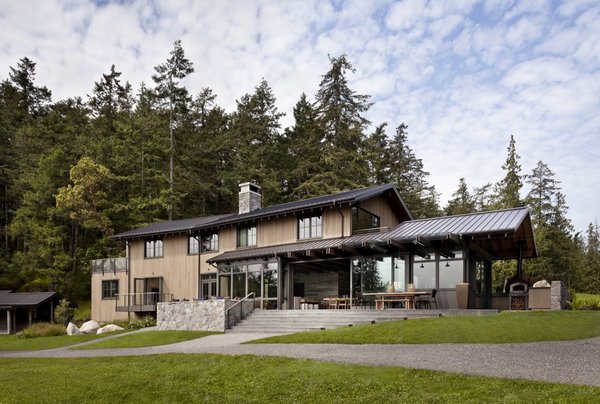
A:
422,242
481,252
375,247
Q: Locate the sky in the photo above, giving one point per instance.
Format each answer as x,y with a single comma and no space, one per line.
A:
463,75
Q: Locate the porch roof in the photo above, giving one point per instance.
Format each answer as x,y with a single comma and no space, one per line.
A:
494,235
32,299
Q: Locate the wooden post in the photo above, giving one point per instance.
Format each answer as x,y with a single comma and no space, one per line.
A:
30,313
8,321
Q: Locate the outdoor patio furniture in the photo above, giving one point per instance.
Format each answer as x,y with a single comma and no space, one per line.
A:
427,301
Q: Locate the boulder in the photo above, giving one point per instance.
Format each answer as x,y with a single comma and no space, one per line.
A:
109,328
542,284
89,327
72,329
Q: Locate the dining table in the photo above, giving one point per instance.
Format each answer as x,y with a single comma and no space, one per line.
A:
407,298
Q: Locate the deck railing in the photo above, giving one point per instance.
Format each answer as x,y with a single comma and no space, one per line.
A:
239,310
141,301
110,265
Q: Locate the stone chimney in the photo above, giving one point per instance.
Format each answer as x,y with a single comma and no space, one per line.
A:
250,198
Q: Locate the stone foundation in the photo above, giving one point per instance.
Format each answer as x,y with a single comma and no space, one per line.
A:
205,315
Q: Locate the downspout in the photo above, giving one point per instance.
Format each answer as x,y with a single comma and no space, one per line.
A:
127,267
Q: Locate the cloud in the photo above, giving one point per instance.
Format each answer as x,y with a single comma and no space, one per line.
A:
464,75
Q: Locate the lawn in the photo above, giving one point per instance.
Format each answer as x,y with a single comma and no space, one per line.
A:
249,379
147,338
506,327
14,343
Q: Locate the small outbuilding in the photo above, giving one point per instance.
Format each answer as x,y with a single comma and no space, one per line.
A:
20,310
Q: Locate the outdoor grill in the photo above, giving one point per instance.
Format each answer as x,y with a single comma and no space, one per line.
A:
517,296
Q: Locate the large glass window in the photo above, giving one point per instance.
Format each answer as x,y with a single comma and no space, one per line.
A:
310,227
246,236
110,289
153,248
237,281
424,276
193,245
210,242
451,271
363,220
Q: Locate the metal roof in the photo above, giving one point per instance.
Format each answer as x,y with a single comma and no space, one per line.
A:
171,227
356,195
498,221
180,226
12,300
512,224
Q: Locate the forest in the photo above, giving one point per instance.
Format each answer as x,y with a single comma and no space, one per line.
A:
75,171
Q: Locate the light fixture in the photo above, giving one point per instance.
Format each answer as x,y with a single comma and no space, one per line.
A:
422,266
447,264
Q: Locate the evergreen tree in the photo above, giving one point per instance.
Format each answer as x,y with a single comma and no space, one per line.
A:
377,151
176,101
588,276
509,188
462,202
305,153
31,99
259,152
340,116
410,178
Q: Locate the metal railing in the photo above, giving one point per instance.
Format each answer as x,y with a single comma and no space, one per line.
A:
240,304
145,301
110,265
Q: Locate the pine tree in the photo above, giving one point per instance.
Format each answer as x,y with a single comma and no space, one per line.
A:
588,276
377,152
509,188
340,115
462,202
176,101
410,178
305,153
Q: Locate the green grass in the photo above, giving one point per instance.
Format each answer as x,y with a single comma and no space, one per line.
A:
507,327
13,343
147,338
252,379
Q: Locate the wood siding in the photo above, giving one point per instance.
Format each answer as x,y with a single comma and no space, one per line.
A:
103,310
379,206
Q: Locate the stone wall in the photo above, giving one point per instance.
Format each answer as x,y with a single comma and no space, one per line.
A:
205,315
559,296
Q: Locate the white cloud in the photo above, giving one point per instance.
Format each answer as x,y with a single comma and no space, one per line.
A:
463,75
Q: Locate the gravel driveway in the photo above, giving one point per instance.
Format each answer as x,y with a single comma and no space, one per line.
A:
573,362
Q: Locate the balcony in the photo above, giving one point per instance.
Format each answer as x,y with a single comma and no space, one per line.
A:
141,302
108,265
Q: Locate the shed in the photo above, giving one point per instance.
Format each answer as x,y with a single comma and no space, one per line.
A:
20,310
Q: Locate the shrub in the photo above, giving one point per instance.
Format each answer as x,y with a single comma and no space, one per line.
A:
82,313
42,330
584,301
63,313
147,321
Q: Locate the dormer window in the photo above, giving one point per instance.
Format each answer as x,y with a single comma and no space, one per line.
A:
153,248
310,227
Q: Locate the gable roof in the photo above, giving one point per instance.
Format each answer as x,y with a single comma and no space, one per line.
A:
13,300
319,202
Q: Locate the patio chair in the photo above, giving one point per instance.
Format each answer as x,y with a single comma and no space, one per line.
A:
427,301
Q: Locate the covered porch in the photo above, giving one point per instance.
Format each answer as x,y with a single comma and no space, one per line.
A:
432,254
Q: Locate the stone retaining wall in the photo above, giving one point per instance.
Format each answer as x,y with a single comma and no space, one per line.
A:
205,315
559,296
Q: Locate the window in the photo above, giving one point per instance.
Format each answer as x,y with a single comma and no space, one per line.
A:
193,245
110,289
310,227
363,220
154,249
246,236
451,271
437,271
210,242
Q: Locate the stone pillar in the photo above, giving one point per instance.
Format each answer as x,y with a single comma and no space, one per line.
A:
559,296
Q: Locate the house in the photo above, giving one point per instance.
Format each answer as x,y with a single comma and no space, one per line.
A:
344,244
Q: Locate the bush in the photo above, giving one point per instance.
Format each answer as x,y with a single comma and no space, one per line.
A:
63,313
584,301
82,313
42,330
147,321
